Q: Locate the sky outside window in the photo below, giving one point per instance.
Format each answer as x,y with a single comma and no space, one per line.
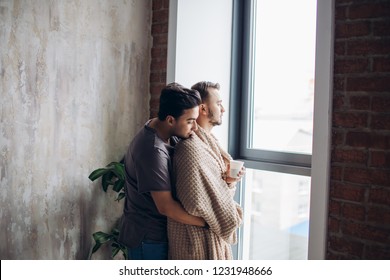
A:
284,75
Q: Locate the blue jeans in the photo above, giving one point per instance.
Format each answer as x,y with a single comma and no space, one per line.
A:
149,250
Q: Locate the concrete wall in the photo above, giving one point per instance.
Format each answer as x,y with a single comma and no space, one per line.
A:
74,79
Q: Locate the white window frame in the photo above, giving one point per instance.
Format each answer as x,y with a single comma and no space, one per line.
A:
322,125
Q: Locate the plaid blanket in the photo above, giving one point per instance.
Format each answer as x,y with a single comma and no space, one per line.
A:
199,165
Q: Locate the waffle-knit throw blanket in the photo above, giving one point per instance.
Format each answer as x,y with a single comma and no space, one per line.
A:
199,164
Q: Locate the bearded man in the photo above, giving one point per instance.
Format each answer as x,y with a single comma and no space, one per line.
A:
200,168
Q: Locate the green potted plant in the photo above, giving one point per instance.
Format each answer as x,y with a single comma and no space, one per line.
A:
112,175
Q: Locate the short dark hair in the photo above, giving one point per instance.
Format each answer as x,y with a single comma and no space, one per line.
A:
203,86
175,98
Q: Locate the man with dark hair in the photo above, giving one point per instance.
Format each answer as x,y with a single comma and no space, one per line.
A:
148,175
202,185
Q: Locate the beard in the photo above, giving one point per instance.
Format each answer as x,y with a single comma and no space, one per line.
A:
213,120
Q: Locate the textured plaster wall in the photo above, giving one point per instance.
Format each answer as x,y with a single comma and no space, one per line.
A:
74,79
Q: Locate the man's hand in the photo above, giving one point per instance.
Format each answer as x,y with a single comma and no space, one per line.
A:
171,208
241,174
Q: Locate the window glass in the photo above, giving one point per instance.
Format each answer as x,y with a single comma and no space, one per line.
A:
283,75
276,215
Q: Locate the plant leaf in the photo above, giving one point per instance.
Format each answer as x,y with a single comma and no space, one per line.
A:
96,247
118,186
115,231
106,180
118,168
121,168
115,251
102,237
119,171
97,173
124,252
120,196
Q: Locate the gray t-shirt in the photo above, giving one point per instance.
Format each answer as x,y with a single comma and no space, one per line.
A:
148,168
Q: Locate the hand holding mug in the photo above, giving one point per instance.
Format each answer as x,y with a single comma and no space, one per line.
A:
235,171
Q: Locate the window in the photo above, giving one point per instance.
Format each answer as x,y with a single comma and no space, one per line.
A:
276,221
187,62
271,125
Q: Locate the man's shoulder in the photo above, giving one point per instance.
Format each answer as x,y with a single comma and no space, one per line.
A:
142,138
146,144
189,142
188,146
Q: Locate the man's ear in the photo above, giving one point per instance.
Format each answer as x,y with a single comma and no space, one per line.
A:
202,108
170,119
